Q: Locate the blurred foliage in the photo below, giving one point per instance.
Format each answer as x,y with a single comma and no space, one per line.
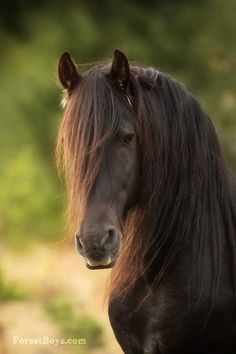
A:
193,40
76,326
10,290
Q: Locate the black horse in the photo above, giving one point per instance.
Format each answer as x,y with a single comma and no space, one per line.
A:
149,194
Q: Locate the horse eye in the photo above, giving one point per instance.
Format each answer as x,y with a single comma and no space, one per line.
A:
128,138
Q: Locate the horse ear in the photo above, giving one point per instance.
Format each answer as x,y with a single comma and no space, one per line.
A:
68,72
120,70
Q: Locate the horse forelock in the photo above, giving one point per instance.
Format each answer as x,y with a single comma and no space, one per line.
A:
91,119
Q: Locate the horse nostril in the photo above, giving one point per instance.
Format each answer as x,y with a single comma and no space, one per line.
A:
111,234
79,243
109,238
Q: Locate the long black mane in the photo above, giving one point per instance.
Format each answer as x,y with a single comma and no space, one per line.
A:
185,201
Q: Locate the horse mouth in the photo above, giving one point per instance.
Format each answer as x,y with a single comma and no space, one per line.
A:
108,266
102,264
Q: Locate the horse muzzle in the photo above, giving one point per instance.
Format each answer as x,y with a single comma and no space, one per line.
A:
99,252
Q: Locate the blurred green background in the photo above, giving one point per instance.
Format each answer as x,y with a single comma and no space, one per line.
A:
195,41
